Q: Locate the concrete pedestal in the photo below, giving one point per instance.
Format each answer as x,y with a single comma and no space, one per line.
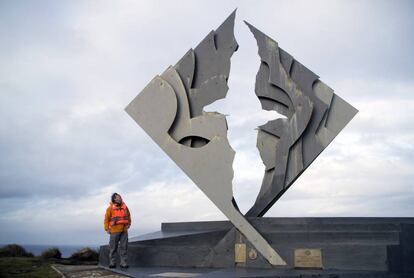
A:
348,246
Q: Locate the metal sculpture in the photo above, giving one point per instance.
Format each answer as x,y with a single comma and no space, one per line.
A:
314,116
170,110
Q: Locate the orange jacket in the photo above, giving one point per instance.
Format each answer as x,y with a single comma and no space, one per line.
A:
117,218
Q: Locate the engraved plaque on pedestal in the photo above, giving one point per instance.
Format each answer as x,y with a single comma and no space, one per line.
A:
240,253
308,258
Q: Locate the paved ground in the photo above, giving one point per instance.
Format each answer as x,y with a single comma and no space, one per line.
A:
79,271
84,271
157,272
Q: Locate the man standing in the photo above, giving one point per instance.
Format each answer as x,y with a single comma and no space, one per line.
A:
117,222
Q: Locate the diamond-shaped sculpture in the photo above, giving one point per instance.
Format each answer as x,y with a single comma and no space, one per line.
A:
170,110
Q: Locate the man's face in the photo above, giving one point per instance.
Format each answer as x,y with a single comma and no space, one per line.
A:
118,199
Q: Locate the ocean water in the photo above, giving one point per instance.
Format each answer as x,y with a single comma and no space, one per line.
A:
66,250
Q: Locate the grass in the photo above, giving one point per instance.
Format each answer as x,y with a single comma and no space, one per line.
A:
26,267
15,261
14,250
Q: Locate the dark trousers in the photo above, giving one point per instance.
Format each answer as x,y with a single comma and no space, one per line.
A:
118,241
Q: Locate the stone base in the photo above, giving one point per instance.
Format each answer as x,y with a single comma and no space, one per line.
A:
347,245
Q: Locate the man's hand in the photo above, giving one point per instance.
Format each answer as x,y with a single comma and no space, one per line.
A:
108,232
129,225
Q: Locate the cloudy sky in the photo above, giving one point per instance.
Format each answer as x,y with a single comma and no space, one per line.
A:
69,68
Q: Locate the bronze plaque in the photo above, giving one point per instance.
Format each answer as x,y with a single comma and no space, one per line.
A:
308,258
252,254
240,253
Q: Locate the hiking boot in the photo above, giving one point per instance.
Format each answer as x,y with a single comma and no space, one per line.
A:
112,266
124,266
